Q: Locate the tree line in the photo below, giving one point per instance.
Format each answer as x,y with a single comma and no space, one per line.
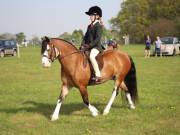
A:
75,37
138,18
20,38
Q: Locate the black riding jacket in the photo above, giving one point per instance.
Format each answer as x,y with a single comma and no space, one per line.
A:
93,36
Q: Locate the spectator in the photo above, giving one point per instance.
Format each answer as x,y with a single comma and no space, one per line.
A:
158,46
148,46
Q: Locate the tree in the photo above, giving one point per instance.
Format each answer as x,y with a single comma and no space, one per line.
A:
165,16
66,36
20,37
35,40
77,36
7,36
132,19
106,35
162,27
139,17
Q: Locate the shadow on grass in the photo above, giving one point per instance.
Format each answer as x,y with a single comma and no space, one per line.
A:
44,109
47,109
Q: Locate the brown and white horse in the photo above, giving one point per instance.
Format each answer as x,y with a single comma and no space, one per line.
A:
76,72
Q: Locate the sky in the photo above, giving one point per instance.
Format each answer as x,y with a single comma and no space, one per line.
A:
51,17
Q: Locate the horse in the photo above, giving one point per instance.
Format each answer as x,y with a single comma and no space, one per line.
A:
76,72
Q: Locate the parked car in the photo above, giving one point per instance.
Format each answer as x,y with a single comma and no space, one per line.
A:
170,46
8,47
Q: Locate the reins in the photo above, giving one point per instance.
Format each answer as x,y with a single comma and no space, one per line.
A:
62,57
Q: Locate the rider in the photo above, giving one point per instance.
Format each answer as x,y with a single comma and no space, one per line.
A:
92,39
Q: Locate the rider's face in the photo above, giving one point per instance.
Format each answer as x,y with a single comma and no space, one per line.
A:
92,18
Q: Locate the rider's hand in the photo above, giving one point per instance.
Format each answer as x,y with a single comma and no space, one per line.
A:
84,47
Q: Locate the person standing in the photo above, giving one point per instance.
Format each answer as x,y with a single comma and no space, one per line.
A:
147,46
92,39
158,46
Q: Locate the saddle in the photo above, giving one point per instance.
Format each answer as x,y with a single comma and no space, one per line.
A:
99,59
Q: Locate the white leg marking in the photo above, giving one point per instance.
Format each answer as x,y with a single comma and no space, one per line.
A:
55,115
64,92
108,107
130,101
93,110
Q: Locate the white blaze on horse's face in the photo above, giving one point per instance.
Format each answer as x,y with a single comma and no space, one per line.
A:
46,62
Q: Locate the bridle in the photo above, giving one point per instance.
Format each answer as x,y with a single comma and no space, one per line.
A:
57,53
48,56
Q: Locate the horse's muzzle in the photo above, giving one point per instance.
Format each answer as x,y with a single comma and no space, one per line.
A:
46,62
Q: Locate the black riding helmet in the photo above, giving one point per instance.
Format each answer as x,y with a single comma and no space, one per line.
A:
95,10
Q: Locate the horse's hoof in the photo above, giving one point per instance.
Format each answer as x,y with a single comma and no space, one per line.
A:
95,114
105,112
132,107
54,118
93,110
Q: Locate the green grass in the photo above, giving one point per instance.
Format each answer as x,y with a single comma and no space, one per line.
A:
28,94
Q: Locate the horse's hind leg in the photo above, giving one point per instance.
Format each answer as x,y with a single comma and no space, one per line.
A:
128,96
84,95
131,104
64,92
114,94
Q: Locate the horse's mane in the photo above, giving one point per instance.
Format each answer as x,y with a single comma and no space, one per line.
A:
69,43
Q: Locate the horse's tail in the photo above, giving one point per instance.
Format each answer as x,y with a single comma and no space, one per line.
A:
131,81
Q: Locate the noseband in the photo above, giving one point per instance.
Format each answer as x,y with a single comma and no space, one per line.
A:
50,60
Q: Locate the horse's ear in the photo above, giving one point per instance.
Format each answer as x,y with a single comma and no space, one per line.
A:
42,39
47,39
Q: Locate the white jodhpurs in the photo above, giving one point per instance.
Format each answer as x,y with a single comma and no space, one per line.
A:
94,52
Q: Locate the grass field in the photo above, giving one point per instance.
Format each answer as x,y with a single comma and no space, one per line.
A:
28,94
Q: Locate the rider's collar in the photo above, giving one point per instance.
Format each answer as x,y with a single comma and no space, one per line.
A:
95,22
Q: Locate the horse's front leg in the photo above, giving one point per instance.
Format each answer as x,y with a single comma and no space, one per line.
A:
84,95
64,92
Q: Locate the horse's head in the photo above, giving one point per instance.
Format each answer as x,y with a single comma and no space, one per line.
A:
48,52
